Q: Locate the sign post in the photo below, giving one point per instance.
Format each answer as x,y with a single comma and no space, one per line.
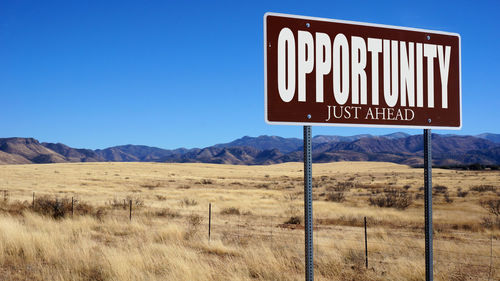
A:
325,72
428,205
308,208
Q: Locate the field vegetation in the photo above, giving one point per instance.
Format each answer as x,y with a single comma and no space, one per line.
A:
79,227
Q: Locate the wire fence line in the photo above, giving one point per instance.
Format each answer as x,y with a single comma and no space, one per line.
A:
327,237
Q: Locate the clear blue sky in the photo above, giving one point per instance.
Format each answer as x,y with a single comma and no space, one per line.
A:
190,73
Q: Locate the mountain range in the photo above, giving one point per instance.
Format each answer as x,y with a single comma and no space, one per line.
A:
447,150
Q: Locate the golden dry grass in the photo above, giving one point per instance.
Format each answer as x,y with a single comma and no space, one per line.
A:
167,237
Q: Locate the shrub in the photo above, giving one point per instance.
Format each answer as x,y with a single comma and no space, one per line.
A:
492,206
194,222
166,212
15,208
440,189
294,220
117,204
151,185
161,197
230,211
100,213
83,208
59,208
137,202
462,193
491,223
263,185
47,206
355,257
343,186
188,202
483,188
335,196
392,198
124,203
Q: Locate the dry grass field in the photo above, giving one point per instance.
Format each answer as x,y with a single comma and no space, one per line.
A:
256,227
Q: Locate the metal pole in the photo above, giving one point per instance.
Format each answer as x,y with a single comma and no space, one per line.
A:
130,205
209,219
33,200
366,247
72,206
491,256
308,208
429,276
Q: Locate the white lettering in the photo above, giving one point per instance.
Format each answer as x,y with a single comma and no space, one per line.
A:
346,63
420,76
340,91
286,52
323,62
407,74
391,55
358,55
305,61
375,47
430,53
444,68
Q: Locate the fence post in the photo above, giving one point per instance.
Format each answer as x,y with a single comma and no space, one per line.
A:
130,206
5,195
33,204
209,220
271,232
72,207
239,222
491,256
366,247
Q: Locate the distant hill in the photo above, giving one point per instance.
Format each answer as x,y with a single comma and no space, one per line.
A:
491,137
445,150
324,139
137,153
284,145
74,154
27,150
398,148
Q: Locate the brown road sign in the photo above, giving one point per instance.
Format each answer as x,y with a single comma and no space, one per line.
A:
341,73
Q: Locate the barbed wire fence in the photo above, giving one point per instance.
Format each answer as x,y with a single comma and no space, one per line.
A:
240,227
